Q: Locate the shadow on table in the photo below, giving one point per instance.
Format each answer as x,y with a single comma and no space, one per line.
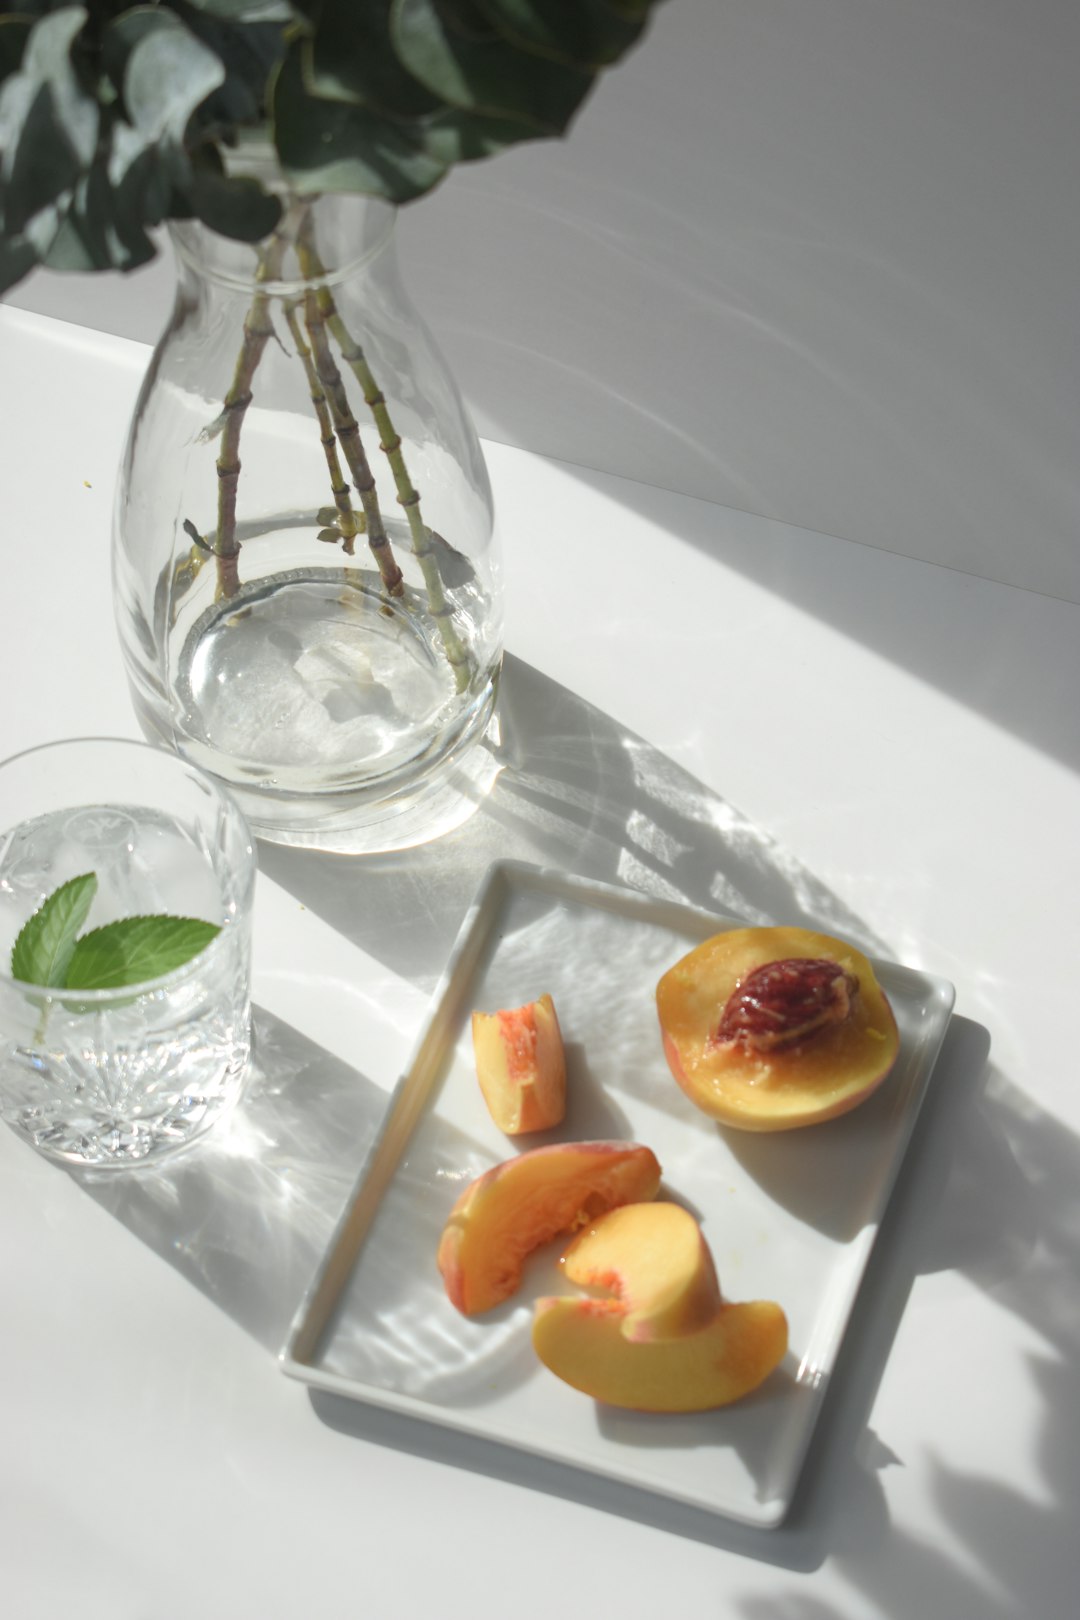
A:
579,793
992,1193
990,1188
247,1216
246,1213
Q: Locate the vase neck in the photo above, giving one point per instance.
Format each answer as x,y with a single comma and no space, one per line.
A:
326,238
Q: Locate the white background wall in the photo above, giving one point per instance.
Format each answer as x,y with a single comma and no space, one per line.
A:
816,259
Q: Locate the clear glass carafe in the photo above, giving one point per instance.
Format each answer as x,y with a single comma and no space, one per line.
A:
307,586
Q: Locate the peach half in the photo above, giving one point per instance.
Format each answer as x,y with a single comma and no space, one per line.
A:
512,1209
769,1029
655,1259
521,1066
597,1345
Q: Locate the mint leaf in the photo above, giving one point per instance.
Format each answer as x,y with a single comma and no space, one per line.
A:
135,949
43,951
48,951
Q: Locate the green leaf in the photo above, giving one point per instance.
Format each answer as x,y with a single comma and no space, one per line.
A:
238,207
17,258
112,114
333,146
351,58
168,74
48,48
457,53
102,227
196,538
248,11
453,136
632,8
48,121
32,245
249,52
43,164
14,32
141,178
45,945
589,33
136,949
120,37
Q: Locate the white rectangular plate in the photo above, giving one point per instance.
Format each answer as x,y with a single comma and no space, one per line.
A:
789,1216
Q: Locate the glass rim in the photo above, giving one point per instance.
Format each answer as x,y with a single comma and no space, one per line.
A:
95,999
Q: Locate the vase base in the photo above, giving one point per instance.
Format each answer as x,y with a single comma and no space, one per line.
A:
329,713
306,671
433,811
412,809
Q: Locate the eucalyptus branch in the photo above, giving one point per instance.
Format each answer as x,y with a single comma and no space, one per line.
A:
347,520
390,443
258,329
348,434
105,100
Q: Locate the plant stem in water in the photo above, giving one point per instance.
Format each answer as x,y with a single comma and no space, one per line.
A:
348,434
408,496
258,329
347,521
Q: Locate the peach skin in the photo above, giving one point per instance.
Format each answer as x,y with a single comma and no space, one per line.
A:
506,1213
769,1029
521,1066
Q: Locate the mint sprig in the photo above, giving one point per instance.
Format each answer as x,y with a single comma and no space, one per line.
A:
49,950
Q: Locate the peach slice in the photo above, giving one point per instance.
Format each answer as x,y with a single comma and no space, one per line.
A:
768,1029
506,1213
521,1066
582,1342
655,1258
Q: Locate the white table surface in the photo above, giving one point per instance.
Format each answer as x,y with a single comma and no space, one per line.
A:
698,703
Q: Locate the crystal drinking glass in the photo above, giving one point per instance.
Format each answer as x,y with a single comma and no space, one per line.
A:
121,1076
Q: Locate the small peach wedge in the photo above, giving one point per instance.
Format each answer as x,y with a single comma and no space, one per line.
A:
769,1029
521,1066
582,1342
506,1213
655,1259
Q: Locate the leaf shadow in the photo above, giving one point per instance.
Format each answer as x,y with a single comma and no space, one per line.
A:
575,791
979,1190
832,1469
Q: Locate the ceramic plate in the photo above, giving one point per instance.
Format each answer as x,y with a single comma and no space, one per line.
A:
789,1216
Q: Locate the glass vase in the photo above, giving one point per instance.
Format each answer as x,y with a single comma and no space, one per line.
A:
307,585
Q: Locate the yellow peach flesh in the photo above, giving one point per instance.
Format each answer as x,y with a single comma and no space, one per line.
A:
506,1213
814,1080
521,1066
655,1258
582,1342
